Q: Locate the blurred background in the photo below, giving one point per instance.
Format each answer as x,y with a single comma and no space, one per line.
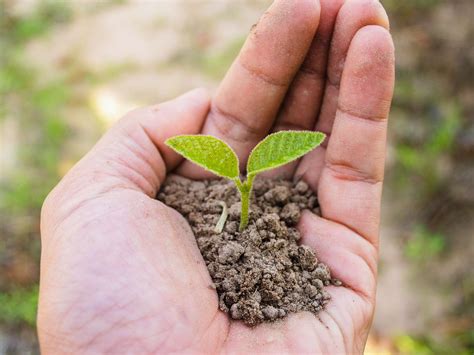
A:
69,69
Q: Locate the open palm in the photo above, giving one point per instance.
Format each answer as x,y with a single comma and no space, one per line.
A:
121,272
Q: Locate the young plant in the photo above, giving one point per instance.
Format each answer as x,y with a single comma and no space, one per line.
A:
217,157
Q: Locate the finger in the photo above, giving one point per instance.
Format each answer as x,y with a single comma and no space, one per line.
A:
303,100
248,98
352,16
350,186
350,257
353,260
132,154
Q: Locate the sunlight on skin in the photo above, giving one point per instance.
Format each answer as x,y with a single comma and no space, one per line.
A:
121,272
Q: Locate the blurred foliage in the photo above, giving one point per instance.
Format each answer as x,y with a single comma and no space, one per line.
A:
40,114
431,110
404,9
459,343
424,244
19,306
36,109
420,160
215,65
410,345
18,29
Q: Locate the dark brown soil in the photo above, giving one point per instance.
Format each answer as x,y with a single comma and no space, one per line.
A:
261,274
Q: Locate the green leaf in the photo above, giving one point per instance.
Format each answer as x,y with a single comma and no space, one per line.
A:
281,148
208,152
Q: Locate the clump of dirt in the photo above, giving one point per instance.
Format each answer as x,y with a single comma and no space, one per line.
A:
261,274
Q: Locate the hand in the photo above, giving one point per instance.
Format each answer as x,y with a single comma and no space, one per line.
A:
121,272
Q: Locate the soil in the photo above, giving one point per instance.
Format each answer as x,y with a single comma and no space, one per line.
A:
261,274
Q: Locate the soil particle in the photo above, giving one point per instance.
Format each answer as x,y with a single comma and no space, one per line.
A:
270,312
291,214
301,187
229,253
260,274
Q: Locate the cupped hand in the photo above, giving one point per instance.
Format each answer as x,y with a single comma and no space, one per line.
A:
121,272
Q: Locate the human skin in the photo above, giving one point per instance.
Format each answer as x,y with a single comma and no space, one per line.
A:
121,272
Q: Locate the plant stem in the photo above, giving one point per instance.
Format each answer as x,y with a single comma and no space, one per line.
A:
244,214
220,224
245,190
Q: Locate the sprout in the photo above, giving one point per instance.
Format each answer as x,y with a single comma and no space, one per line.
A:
275,150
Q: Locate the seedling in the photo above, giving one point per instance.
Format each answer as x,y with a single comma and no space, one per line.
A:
275,150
